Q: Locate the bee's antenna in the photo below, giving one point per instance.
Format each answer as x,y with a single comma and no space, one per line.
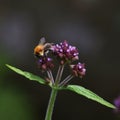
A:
42,40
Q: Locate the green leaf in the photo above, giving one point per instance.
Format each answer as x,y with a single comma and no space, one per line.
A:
89,94
28,75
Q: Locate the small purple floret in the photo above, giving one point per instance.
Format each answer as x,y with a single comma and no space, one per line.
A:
78,69
45,63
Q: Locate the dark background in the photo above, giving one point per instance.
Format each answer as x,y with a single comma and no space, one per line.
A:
91,25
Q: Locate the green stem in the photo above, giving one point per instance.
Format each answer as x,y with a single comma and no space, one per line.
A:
59,74
51,104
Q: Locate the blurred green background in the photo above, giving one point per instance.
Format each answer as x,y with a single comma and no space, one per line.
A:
91,25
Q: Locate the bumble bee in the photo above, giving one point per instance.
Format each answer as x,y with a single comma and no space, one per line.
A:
42,48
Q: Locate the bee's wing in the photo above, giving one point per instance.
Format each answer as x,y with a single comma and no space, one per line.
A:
42,41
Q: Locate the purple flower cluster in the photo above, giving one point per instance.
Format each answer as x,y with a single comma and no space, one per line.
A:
45,63
65,52
78,69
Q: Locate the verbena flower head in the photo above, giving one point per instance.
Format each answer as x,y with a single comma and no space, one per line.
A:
78,69
45,63
65,52
117,104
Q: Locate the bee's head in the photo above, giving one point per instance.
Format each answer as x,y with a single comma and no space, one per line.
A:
39,50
